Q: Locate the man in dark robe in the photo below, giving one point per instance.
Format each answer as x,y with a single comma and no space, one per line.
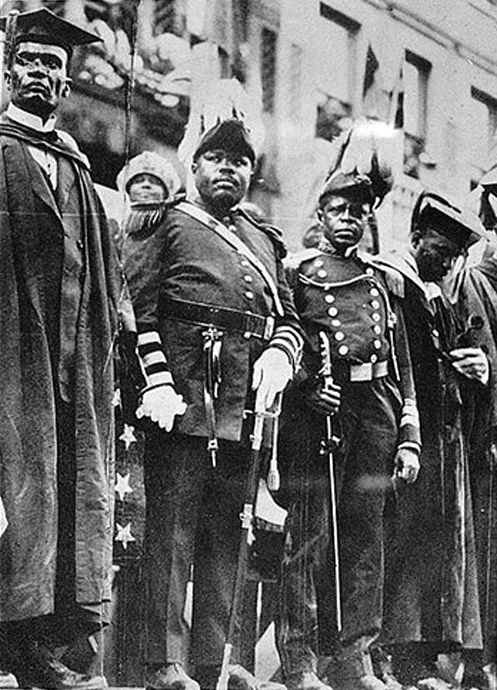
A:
477,301
431,595
58,306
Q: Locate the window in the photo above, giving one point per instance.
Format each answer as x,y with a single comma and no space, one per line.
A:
335,72
415,73
483,131
268,68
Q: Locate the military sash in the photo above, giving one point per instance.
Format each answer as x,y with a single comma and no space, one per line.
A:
236,243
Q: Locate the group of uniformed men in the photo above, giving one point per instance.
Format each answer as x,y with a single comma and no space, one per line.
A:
380,565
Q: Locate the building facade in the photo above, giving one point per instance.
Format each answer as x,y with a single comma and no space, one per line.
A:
430,67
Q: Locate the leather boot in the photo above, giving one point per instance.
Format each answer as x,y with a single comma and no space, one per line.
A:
305,680
383,668
352,669
241,679
36,666
170,677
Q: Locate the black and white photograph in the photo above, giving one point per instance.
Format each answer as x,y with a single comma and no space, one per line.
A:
248,344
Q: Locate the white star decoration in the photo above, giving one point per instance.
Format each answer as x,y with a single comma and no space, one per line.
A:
122,486
124,535
116,400
128,436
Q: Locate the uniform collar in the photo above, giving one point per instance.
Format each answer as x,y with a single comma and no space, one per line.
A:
326,246
22,117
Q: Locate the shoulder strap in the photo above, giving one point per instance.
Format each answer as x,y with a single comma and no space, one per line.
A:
236,243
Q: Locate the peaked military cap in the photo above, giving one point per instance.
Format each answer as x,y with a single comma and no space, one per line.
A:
445,216
43,26
227,134
349,185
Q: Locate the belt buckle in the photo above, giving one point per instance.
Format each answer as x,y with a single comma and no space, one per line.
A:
361,372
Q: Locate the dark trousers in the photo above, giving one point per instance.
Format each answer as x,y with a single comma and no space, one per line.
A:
192,518
363,466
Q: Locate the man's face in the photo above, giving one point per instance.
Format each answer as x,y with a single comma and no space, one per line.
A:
146,187
434,254
222,177
344,221
38,78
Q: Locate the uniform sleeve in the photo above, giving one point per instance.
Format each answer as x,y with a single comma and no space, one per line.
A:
143,255
409,428
288,335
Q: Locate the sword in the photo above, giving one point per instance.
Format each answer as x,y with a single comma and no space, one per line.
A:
246,517
327,448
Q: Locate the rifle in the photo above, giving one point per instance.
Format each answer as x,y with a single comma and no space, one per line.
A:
327,448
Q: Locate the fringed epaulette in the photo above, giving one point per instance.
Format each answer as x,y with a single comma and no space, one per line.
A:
273,232
144,219
393,276
296,259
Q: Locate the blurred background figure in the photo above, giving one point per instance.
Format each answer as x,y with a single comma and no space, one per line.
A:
147,180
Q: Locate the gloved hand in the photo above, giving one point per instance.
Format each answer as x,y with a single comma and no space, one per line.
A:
472,362
162,405
272,372
324,399
406,465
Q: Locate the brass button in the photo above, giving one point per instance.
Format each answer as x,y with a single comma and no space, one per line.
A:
318,263
332,311
369,271
336,323
377,344
248,279
339,336
329,298
374,292
343,350
375,304
322,273
249,294
376,317
373,359
377,329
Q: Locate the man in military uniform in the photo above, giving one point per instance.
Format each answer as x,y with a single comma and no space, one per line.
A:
58,307
332,573
431,595
218,335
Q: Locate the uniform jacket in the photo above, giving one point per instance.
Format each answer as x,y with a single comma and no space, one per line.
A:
58,305
349,299
183,259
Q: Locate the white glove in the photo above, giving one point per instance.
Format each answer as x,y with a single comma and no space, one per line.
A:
162,405
272,372
471,362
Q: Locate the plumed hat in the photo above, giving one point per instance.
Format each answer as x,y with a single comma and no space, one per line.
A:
42,26
224,116
447,217
361,165
153,164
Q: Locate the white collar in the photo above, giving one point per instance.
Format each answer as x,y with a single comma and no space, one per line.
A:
22,117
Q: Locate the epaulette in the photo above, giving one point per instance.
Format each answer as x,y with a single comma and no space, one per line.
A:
296,259
273,232
393,276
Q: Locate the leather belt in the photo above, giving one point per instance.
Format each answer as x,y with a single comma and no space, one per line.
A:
245,322
355,373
